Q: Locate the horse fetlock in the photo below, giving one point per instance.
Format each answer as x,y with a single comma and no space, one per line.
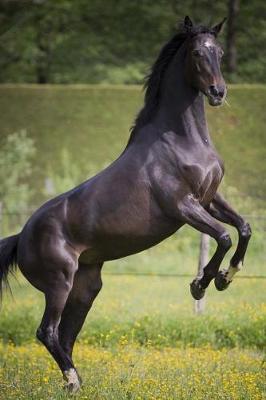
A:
196,289
232,270
73,380
225,241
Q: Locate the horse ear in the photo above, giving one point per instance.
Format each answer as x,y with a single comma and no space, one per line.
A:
188,23
217,28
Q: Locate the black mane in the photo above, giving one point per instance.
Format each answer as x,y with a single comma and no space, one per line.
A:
153,79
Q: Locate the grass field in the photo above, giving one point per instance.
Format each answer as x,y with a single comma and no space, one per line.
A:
137,373
142,340
91,124
154,310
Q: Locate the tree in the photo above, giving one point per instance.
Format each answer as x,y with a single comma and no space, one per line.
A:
233,11
114,41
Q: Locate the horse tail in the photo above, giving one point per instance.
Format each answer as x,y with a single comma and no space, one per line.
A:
8,259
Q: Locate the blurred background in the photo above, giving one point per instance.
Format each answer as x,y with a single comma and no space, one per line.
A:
71,74
97,41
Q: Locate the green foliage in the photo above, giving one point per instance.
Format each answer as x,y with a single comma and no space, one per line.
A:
97,41
68,176
16,152
19,328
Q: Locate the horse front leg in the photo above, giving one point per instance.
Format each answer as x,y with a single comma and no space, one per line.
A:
196,216
222,211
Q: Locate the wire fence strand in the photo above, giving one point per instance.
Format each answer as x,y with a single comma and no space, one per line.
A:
174,275
12,221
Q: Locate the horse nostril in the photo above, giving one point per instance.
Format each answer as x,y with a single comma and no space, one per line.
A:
213,90
216,91
221,93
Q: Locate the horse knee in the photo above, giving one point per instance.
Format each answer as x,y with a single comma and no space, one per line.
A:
225,241
245,231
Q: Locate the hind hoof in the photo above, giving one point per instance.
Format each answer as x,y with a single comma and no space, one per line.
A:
221,283
72,388
196,290
73,381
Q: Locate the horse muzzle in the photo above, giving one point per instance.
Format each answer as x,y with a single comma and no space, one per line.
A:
216,95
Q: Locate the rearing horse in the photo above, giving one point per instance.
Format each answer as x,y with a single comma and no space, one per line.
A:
167,176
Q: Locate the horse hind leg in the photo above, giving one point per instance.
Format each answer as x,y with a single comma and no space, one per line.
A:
58,284
87,284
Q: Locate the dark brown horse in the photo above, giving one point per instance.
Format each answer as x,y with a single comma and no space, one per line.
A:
167,176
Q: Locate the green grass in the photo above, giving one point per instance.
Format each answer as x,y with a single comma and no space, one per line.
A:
142,340
91,123
135,373
151,310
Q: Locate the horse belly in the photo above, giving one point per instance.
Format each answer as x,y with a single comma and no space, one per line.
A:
131,238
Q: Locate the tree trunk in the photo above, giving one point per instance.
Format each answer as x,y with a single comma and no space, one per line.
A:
42,64
233,10
42,75
43,56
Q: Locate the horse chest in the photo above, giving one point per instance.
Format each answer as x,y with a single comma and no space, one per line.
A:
192,165
203,175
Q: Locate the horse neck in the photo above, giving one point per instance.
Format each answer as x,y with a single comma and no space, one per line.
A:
181,108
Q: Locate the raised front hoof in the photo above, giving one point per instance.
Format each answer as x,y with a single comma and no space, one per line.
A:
196,290
221,283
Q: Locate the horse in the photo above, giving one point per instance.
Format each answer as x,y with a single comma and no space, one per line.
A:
167,176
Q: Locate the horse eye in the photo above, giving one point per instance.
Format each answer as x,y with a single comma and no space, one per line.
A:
197,53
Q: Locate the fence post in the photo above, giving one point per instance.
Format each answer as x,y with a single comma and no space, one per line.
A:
199,305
